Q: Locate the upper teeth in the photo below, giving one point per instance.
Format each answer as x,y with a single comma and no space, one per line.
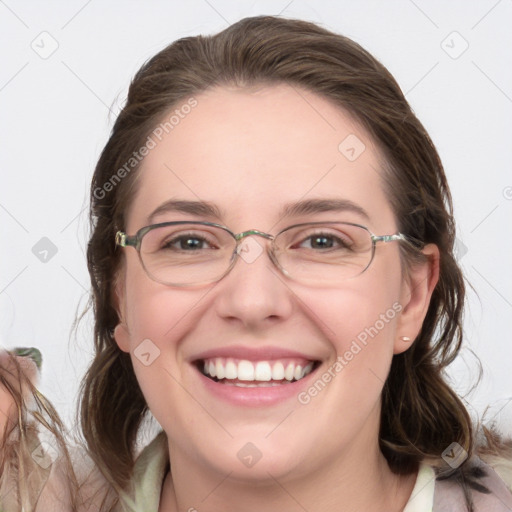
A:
255,370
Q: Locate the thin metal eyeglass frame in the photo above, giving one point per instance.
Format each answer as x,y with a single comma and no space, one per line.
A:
135,241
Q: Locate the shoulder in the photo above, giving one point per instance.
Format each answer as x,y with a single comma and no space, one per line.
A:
149,472
485,488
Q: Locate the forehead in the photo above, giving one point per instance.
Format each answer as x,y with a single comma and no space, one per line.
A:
250,151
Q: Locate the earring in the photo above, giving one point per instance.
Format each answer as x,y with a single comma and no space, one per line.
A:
405,338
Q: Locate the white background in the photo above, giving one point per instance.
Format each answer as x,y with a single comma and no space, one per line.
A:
56,113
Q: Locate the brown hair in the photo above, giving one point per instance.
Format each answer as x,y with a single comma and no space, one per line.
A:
421,415
24,480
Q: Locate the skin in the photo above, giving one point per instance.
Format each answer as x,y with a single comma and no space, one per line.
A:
250,151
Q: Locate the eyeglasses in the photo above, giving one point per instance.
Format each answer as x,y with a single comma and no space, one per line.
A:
192,253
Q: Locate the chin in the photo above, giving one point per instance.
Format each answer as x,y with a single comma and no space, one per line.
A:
256,459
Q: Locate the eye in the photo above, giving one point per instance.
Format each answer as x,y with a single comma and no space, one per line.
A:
324,241
319,242
187,242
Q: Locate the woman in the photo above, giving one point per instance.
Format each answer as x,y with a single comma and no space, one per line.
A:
273,279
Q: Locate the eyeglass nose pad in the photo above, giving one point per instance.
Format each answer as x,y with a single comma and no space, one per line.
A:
372,256
272,255
249,250
232,262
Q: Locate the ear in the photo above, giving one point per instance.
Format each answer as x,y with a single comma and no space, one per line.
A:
417,288
121,331
122,337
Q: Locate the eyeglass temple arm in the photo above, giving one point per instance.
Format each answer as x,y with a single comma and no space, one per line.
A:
123,240
388,238
398,237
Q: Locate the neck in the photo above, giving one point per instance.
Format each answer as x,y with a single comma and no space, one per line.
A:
349,483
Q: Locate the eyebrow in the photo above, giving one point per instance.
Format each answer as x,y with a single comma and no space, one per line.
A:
312,206
197,208
305,207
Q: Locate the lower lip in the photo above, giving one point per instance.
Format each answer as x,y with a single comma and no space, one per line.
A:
256,396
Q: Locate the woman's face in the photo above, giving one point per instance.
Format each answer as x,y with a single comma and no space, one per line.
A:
251,153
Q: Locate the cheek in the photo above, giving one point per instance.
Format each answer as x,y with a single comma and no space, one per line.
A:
155,311
362,311
360,323
159,319
360,328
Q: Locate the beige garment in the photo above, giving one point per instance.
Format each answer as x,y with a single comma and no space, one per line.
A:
152,464
428,495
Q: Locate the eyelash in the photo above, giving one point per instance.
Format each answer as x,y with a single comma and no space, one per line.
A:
330,236
183,237
180,238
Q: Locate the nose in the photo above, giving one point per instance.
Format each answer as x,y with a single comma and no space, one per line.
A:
255,293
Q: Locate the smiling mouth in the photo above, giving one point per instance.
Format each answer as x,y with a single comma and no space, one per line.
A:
250,374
